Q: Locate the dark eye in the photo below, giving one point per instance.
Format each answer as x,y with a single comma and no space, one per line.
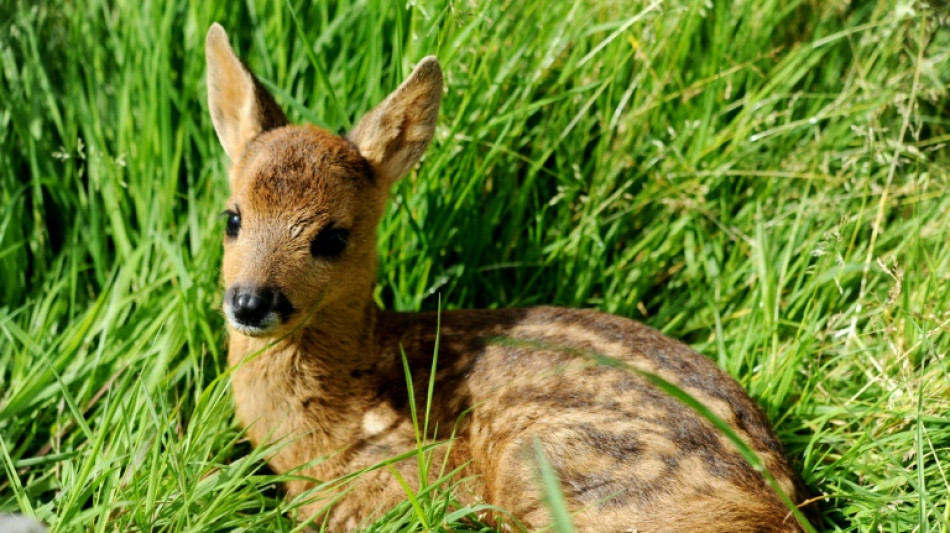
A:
329,243
233,224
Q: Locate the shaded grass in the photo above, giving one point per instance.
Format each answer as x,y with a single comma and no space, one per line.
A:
766,180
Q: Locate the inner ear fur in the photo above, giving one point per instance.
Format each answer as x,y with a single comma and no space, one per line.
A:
394,135
241,108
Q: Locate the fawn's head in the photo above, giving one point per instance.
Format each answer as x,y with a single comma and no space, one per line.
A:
304,205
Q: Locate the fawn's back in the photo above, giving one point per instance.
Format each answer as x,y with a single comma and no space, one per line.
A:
319,368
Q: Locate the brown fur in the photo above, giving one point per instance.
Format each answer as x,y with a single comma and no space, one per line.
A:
328,381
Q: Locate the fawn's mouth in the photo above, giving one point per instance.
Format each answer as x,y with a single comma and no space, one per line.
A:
267,327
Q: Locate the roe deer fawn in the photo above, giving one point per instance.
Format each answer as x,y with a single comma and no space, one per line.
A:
318,366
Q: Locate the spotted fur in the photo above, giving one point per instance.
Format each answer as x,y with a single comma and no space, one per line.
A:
325,377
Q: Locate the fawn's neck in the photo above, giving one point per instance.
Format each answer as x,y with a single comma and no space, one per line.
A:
316,381
337,338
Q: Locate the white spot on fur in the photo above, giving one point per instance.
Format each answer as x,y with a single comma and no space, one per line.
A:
375,422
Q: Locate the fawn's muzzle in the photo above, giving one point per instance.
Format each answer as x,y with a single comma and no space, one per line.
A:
256,310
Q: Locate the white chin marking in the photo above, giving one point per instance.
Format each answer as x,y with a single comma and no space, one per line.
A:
270,323
250,331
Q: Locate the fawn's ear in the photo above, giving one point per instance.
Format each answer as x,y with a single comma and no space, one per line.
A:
241,108
394,135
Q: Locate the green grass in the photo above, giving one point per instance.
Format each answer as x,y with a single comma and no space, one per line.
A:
766,180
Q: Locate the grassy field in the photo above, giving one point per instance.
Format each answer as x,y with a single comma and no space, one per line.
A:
766,180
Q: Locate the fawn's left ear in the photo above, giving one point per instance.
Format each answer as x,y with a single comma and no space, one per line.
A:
394,135
241,108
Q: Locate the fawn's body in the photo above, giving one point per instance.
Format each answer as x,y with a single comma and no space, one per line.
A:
318,365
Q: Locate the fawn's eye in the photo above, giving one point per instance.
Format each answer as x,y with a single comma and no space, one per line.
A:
233,223
329,243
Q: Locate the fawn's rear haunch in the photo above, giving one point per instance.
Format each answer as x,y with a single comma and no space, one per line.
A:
318,366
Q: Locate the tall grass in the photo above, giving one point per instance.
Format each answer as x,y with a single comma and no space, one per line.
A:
766,180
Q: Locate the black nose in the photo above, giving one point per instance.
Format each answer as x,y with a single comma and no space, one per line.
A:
257,306
250,305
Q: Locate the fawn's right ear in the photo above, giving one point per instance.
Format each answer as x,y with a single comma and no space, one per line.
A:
241,108
393,136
